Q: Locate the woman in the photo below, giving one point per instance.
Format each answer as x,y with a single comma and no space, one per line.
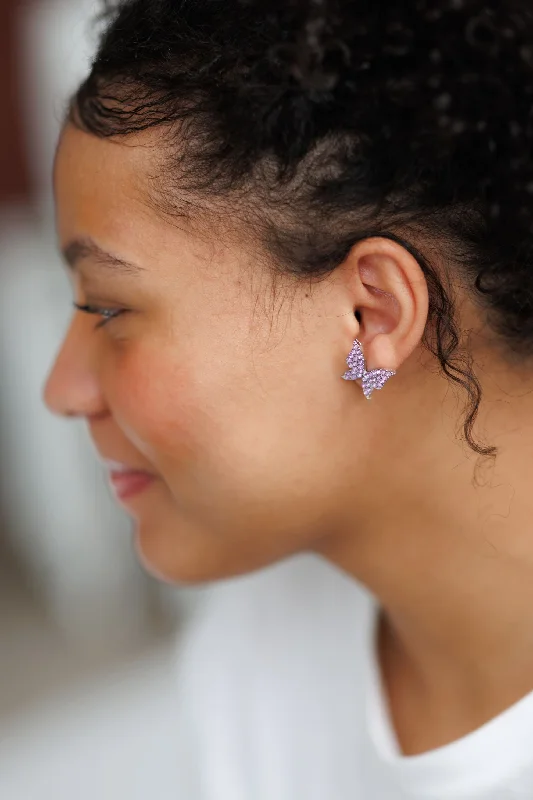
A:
273,212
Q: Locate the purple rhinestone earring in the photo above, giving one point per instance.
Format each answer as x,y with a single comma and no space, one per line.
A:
375,379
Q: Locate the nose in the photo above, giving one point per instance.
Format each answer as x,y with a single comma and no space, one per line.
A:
72,388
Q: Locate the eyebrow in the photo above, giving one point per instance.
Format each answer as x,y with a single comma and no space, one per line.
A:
84,248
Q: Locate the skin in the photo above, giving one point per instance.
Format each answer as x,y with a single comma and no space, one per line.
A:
225,383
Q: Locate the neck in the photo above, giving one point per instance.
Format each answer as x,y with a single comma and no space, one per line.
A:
450,558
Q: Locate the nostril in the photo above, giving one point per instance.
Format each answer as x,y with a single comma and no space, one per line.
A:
72,388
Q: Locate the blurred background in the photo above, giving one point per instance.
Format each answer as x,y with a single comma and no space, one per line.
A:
87,640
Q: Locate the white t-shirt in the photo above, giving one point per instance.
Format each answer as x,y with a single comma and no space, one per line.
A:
281,699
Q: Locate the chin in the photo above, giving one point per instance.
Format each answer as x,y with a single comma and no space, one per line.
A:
169,566
187,560
177,554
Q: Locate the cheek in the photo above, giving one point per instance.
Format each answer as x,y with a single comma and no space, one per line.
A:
152,400
221,429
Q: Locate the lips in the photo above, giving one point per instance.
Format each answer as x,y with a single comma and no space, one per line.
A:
128,483
126,480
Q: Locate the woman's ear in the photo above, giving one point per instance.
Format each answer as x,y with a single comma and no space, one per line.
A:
388,292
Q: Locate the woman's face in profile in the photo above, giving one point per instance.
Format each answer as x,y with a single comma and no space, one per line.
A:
220,381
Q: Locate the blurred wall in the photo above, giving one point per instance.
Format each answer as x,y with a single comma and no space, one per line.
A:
60,519
14,173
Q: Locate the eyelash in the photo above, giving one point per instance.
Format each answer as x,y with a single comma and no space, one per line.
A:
107,313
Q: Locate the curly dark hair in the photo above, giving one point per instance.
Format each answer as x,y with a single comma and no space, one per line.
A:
324,122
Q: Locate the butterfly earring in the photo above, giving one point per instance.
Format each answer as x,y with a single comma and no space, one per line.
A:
375,379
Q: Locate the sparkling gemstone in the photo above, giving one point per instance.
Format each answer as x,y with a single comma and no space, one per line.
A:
375,379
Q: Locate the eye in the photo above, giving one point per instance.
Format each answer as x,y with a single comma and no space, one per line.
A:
107,313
